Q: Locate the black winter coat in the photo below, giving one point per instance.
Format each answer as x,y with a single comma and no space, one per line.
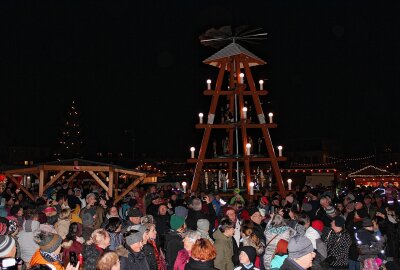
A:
199,265
151,259
194,216
173,243
289,264
134,261
91,253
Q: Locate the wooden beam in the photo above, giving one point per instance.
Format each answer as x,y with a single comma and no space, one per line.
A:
52,181
110,182
20,186
129,188
41,182
103,175
98,180
73,168
30,170
72,177
129,172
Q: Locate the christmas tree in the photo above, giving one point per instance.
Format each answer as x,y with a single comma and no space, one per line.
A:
70,142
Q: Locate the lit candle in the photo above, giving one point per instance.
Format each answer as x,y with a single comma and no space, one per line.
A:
280,150
192,149
289,182
208,84
241,78
184,186
244,110
261,82
251,188
270,115
248,146
201,118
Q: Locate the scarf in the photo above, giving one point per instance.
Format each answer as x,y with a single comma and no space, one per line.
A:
51,257
160,261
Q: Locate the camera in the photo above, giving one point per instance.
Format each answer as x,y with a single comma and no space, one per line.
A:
10,263
73,259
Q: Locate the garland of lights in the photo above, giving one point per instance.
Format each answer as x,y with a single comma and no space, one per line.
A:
354,174
351,159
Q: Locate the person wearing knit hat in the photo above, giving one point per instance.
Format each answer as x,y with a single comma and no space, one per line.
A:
176,222
26,241
203,226
136,259
330,211
247,258
181,211
301,253
49,250
7,246
318,225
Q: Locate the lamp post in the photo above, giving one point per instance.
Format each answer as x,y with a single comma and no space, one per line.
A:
192,149
244,110
184,186
251,188
201,118
208,84
270,115
289,182
280,148
248,147
261,82
241,78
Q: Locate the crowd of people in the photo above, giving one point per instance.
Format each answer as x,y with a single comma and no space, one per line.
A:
165,229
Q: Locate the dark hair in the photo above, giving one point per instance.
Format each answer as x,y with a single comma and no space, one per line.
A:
60,196
113,224
72,232
40,267
226,224
303,219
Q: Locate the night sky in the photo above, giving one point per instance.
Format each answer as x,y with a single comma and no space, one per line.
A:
333,70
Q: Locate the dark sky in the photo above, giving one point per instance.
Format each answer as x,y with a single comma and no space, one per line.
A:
333,69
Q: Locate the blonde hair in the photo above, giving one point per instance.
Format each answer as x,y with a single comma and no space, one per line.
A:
98,235
65,214
107,260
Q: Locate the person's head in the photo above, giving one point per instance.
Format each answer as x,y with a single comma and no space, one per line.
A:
114,225
108,261
21,196
277,221
325,201
196,204
301,251
340,207
134,216
78,192
65,214
134,240
151,231
162,210
337,224
190,238
203,250
247,255
231,214
113,211
227,227
91,199
7,246
152,189
48,242
367,224
70,192
255,216
247,228
73,231
367,199
304,220
16,211
293,214
177,223
100,238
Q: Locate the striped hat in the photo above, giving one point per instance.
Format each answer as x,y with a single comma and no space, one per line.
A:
7,243
48,242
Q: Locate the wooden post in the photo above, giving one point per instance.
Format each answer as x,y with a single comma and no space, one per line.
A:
16,182
98,180
41,181
110,182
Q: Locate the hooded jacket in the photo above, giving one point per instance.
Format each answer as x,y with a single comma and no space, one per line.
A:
224,246
25,239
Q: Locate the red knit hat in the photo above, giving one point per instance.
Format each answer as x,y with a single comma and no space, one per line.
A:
318,225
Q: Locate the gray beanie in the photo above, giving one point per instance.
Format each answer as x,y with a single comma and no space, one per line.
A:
134,237
299,246
181,211
203,225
